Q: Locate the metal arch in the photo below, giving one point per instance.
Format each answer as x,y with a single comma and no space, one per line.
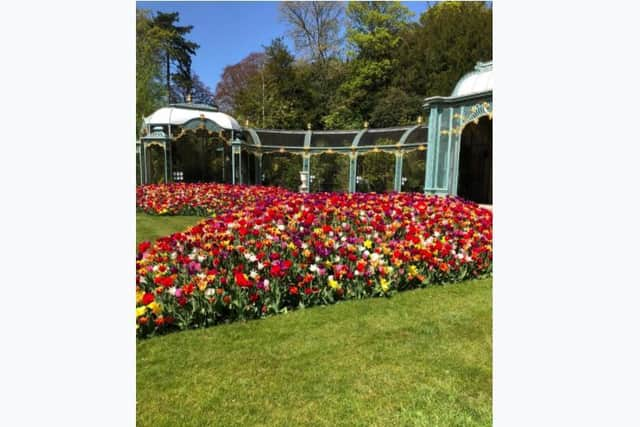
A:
482,109
283,131
476,116
358,137
203,121
406,134
255,136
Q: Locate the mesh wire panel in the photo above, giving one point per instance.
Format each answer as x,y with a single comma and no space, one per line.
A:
417,136
248,167
375,172
283,139
155,164
332,139
387,137
329,172
138,177
413,168
201,159
281,170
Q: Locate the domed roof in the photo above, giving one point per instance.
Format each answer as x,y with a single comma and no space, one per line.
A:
178,114
477,81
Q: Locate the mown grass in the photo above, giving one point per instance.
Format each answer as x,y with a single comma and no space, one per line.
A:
150,227
420,358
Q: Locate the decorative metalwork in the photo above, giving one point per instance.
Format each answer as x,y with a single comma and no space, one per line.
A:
439,140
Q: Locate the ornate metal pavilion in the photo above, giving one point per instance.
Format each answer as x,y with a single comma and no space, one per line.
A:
193,142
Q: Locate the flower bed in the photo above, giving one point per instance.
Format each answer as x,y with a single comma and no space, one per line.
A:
202,199
267,250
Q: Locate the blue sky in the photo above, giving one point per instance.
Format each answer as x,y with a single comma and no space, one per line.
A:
228,31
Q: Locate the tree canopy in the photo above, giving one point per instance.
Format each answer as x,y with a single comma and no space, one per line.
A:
353,62
163,63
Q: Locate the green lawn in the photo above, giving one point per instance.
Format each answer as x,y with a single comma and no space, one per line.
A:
422,358
150,227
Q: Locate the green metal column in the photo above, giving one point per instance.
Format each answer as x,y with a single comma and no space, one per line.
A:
447,163
455,152
432,142
233,164
166,163
143,152
397,181
353,164
170,145
236,151
306,157
139,158
353,160
306,167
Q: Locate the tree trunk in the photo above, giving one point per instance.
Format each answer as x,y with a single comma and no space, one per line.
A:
168,79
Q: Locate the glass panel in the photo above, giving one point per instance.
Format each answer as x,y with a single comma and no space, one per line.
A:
329,172
375,172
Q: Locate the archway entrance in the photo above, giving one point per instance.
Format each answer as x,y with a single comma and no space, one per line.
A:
200,157
475,166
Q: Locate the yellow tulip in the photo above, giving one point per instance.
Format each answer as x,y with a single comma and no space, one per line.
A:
155,307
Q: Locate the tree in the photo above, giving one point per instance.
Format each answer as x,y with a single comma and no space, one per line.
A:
149,87
394,107
268,90
200,92
236,80
177,50
284,92
314,27
373,33
449,39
